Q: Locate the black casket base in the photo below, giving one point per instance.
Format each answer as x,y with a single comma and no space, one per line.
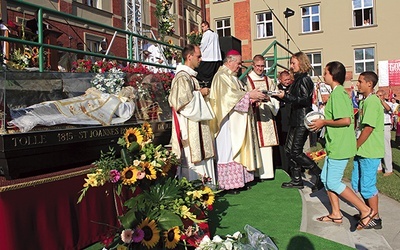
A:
41,152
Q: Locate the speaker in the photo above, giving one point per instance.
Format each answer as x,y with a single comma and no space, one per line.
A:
227,43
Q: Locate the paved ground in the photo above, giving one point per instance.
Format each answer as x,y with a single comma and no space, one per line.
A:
317,204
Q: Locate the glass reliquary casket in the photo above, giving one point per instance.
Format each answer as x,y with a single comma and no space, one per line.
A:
53,121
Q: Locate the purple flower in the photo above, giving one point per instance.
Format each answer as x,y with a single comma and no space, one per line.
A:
114,176
138,235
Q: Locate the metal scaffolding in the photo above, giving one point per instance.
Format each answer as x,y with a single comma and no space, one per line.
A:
133,23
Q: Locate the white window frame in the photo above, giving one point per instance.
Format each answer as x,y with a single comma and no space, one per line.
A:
311,17
262,26
364,61
222,30
365,9
316,65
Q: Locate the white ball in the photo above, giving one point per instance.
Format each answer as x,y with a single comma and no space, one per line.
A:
313,115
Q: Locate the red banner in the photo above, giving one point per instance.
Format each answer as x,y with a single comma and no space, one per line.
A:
394,72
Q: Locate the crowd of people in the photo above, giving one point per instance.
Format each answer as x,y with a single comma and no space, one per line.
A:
225,133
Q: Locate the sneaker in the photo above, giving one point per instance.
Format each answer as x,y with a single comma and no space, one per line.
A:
375,224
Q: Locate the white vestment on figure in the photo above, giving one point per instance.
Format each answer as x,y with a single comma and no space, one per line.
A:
92,108
265,124
191,137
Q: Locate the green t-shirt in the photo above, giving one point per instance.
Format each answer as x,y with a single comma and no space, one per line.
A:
340,141
372,115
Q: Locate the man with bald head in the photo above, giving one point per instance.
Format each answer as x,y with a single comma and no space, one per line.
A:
238,154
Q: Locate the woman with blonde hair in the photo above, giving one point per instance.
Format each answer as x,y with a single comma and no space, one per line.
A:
300,96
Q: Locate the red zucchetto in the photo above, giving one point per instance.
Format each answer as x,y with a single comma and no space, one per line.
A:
233,52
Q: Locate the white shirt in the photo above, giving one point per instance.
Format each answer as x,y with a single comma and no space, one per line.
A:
209,46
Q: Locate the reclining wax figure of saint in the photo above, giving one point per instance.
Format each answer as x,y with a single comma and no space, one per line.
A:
92,108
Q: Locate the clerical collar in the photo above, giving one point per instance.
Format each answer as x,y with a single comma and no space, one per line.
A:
187,69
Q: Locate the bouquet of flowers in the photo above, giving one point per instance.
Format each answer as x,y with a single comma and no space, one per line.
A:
23,58
194,37
172,53
252,239
110,82
162,211
166,21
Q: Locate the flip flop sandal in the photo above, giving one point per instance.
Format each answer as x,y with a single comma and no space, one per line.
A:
334,220
361,224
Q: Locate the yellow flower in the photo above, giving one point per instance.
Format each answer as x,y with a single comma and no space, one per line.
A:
128,175
148,130
121,247
149,169
91,180
166,168
151,233
197,194
133,135
185,213
172,237
208,196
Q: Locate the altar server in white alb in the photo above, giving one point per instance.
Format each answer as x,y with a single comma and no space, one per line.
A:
211,55
191,137
264,114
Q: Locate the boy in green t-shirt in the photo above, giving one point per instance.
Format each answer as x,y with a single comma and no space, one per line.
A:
370,145
340,146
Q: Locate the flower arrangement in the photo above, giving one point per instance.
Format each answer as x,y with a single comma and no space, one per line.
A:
194,37
252,239
317,155
161,212
110,82
166,20
23,58
172,53
229,242
152,89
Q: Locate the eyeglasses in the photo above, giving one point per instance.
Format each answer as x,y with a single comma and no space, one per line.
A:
259,66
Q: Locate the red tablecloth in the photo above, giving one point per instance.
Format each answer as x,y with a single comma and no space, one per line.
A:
47,216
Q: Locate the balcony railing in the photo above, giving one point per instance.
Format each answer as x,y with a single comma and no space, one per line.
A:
45,39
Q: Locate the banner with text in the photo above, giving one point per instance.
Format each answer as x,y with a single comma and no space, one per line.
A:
389,73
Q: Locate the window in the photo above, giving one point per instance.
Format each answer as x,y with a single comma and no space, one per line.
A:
93,3
224,27
310,18
264,25
363,12
364,60
93,43
269,61
316,63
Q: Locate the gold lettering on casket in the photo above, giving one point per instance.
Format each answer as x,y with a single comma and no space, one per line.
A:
29,140
103,132
164,126
63,137
82,134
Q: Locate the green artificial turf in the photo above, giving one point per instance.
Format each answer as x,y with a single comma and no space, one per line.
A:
271,209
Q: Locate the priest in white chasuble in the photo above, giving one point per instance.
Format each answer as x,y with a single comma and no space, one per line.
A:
264,114
238,154
191,137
